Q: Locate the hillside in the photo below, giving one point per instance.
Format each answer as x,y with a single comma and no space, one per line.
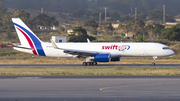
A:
122,6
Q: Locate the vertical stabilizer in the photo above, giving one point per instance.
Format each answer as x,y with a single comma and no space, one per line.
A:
27,37
24,32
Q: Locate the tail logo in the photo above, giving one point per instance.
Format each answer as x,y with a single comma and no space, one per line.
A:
33,41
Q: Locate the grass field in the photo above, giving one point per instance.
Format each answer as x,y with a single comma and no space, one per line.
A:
118,70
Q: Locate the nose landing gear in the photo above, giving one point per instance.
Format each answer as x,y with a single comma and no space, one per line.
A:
154,60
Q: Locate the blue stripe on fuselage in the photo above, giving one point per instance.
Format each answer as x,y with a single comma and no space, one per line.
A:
36,41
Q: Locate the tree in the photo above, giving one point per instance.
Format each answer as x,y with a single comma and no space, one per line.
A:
157,29
125,19
93,31
156,14
170,18
136,26
80,35
8,33
141,16
148,30
115,15
79,30
172,34
23,15
95,14
109,27
88,12
45,20
79,13
139,39
124,28
91,23
6,20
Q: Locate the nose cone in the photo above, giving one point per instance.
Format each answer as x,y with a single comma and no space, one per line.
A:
170,52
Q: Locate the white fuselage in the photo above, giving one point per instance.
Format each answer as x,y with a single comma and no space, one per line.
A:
115,49
93,52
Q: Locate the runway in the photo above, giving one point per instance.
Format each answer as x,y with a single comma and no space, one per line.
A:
80,65
89,88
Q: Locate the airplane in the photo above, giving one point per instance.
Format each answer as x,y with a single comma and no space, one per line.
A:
93,51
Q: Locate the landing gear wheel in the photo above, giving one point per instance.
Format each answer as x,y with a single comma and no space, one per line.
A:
153,64
94,63
88,63
84,63
154,60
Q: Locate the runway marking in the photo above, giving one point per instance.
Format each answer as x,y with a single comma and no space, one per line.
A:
28,78
138,85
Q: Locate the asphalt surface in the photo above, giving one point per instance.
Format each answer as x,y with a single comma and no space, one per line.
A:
89,88
79,65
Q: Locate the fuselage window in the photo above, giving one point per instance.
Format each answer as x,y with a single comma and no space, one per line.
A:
165,47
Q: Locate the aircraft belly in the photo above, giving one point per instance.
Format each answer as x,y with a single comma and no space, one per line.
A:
56,53
132,53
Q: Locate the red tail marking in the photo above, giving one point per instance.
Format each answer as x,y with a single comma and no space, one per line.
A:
29,41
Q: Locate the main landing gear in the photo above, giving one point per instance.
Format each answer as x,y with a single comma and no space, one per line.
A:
89,63
154,60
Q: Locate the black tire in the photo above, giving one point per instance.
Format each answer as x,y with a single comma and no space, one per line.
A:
153,64
94,63
91,63
84,63
88,63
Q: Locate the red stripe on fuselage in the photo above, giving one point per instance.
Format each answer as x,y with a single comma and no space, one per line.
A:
29,41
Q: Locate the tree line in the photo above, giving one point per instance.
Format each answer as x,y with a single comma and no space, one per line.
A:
155,14
141,31
31,21
151,31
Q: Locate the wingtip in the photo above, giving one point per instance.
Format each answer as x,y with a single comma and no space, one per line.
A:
88,40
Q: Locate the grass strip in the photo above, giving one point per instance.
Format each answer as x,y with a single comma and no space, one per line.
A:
118,70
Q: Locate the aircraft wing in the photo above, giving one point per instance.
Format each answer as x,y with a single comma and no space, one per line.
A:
79,53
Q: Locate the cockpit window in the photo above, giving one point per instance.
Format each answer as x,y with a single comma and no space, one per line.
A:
165,48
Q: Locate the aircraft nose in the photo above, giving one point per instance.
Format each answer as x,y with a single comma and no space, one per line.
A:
171,52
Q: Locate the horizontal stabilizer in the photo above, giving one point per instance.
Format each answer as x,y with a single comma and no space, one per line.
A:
23,47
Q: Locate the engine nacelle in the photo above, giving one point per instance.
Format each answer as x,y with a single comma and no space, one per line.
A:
102,57
116,59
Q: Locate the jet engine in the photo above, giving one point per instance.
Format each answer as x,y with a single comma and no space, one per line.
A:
116,59
102,57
